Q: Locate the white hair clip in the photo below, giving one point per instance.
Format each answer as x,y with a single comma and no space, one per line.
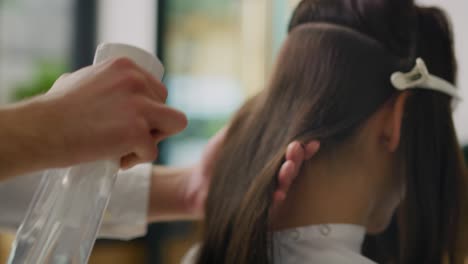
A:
419,77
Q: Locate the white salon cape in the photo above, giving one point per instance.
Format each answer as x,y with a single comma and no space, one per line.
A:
125,217
320,244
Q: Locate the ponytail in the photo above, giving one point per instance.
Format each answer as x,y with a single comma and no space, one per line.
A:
436,184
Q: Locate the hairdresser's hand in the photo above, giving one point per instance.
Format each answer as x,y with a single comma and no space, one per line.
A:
121,106
109,111
296,154
200,178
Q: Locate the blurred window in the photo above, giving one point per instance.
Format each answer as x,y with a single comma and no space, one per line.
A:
217,53
35,45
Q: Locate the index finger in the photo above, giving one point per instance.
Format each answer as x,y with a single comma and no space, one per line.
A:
155,84
165,120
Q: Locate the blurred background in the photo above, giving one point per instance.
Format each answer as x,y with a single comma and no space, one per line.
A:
216,53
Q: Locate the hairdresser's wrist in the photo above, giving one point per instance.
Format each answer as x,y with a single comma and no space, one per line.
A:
25,144
168,200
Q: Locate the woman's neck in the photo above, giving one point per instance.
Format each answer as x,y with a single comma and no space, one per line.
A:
325,194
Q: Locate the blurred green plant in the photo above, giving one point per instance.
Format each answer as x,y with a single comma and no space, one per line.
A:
43,79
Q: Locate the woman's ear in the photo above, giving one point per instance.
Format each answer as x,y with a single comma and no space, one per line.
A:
394,123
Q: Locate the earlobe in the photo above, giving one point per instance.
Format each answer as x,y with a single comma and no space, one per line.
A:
397,120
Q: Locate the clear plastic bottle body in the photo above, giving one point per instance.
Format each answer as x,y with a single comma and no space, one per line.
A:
65,216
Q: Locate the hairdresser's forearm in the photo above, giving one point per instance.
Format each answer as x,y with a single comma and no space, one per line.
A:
167,195
21,138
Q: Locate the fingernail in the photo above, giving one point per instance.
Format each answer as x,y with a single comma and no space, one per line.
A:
291,146
299,146
315,145
280,196
291,167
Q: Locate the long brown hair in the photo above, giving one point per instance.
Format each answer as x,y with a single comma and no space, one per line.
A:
328,80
